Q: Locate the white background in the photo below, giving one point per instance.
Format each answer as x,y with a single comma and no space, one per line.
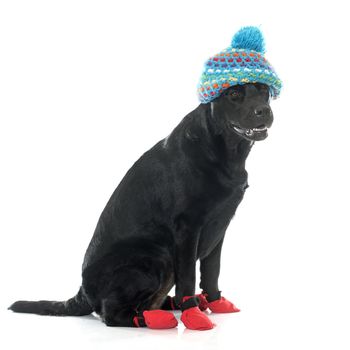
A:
87,86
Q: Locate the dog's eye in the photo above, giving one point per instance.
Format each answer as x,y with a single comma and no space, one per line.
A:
235,94
264,89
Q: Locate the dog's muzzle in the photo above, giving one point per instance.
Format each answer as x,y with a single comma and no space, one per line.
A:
253,134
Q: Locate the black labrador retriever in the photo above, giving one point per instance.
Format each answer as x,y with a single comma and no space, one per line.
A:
172,208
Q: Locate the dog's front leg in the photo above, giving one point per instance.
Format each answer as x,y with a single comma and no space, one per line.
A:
185,267
210,270
211,296
185,279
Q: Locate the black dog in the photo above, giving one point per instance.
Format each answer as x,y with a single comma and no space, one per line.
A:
171,209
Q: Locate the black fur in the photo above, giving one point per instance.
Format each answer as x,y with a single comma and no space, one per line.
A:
172,208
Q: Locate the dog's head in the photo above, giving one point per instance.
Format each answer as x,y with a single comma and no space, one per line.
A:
245,110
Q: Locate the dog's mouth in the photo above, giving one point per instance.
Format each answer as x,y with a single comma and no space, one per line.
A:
253,134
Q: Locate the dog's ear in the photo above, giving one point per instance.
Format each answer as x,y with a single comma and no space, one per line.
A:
197,128
190,134
198,134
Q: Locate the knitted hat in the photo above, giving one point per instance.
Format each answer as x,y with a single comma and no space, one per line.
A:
242,62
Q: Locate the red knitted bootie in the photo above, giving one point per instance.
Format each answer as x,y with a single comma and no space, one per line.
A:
156,319
192,317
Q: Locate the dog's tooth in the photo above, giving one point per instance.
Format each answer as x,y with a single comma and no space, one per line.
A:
260,129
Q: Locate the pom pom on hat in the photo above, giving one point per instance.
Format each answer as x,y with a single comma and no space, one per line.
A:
249,38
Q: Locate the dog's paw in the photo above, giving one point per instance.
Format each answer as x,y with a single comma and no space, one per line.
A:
222,306
159,319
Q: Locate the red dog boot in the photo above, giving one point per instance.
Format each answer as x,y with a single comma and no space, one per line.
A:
156,319
192,317
219,304
203,303
222,306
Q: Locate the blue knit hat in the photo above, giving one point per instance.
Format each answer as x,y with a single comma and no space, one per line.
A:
242,62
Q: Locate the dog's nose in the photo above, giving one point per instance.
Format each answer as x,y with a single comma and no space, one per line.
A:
262,111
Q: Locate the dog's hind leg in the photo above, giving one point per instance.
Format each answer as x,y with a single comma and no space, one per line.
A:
133,298
129,284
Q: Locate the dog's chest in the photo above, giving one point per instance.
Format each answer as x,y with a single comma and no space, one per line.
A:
216,221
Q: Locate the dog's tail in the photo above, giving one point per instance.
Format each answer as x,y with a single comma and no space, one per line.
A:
76,306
